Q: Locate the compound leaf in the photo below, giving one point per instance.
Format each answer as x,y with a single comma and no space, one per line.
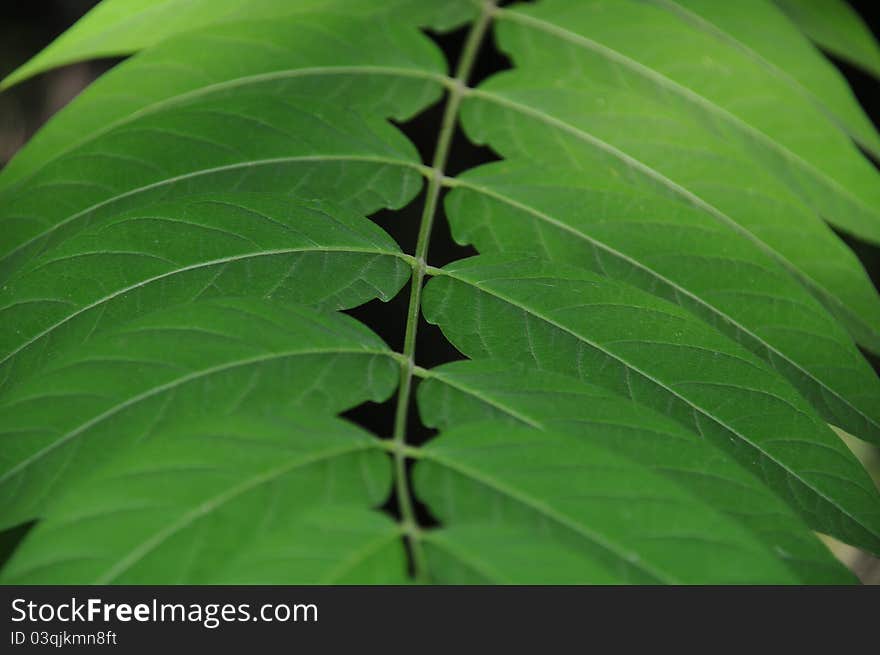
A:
666,321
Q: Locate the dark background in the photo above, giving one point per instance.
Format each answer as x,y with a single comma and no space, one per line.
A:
29,25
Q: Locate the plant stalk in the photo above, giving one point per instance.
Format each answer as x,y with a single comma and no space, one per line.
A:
435,184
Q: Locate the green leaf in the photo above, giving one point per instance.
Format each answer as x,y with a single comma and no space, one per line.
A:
836,27
675,252
761,30
600,511
122,27
288,250
634,51
670,318
603,131
294,115
463,392
201,358
570,321
225,500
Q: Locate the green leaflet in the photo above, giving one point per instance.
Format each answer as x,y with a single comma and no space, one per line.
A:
676,252
600,511
493,553
202,358
105,185
762,31
468,391
836,27
277,58
288,250
570,321
121,27
644,52
291,114
604,130
225,501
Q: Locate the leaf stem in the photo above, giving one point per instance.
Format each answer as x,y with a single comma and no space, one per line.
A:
435,184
